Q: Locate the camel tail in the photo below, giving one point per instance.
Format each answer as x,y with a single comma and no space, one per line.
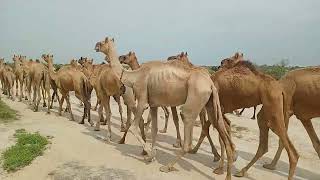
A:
218,117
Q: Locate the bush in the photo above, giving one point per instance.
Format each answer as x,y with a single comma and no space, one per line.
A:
6,113
27,148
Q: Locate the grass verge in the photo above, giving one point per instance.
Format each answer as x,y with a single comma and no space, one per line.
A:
27,148
6,113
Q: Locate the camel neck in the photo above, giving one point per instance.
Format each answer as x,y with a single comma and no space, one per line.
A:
114,60
134,65
52,74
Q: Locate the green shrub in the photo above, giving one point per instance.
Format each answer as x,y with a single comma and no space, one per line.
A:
27,148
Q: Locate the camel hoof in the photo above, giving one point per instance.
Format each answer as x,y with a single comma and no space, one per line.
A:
235,156
96,129
167,169
177,145
163,131
81,122
144,153
48,112
122,141
269,166
253,118
44,105
192,151
103,123
91,123
218,170
123,129
240,174
216,158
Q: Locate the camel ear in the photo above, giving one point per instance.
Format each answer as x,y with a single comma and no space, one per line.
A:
91,61
107,39
236,55
112,39
186,53
133,53
129,53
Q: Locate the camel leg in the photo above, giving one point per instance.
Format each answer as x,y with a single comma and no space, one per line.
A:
38,96
263,144
176,124
21,90
154,124
254,113
17,87
69,107
117,99
312,134
204,132
96,106
52,98
60,104
106,105
241,111
101,118
43,96
147,124
166,114
47,90
190,110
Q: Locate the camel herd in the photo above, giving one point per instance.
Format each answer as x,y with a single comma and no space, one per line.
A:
173,82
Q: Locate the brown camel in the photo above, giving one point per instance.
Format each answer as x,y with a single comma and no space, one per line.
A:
170,84
70,79
1,73
18,71
106,83
302,92
8,78
237,80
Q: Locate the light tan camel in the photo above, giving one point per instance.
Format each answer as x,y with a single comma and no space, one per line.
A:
38,76
170,84
131,60
302,92
108,84
18,71
237,80
70,79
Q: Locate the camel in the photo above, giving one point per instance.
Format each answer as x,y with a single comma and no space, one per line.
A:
131,60
70,80
237,80
302,92
170,84
8,78
92,71
37,75
18,71
1,73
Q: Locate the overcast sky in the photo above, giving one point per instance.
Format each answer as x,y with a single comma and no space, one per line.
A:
209,30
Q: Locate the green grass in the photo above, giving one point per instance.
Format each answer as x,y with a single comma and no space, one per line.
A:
27,148
6,113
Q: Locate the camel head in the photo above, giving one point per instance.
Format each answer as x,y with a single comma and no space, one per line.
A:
104,45
47,58
16,58
1,61
82,60
231,61
128,58
87,63
74,63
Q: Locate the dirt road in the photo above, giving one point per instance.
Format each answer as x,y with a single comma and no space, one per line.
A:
79,152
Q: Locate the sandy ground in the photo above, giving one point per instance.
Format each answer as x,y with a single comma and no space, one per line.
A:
78,152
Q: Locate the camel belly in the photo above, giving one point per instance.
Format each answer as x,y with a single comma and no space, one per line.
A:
167,94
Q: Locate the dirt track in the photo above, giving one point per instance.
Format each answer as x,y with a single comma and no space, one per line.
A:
78,152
